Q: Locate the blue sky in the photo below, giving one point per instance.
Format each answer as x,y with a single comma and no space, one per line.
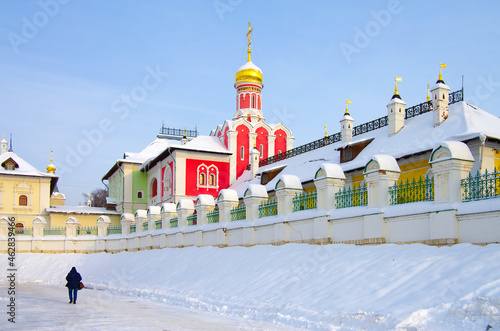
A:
67,66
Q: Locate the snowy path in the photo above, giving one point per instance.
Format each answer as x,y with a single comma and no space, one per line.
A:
45,307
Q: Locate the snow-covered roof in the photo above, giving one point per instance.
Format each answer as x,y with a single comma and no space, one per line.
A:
200,143
80,210
154,210
288,182
256,190
152,150
142,213
24,169
419,134
249,65
329,170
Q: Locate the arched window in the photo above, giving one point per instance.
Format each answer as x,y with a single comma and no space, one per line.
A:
261,150
242,152
202,179
23,200
253,100
139,194
212,180
154,187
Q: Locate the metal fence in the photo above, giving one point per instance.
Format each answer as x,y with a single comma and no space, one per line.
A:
174,222
54,231
133,228
479,187
114,229
192,220
305,200
213,216
354,197
158,224
86,230
414,191
24,231
145,226
239,213
268,208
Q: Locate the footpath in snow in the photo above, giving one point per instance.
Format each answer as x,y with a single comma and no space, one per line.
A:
328,287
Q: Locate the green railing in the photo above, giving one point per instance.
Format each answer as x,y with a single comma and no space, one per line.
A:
86,230
268,208
352,197
55,231
414,191
481,187
239,213
133,228
305,200
174,222
145,226
213,216
24,231
158,224
192,220
114,229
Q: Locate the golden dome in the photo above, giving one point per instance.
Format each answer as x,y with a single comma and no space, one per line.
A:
51,168
250,73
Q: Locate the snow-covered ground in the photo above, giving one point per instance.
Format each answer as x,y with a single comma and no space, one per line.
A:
330,287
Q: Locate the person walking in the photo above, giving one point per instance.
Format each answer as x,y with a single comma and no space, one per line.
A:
73,284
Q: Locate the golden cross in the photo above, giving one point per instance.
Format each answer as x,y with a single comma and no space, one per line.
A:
250,29
248,34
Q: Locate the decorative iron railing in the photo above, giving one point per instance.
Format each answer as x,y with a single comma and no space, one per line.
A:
354,197
370,126
178,132
419,109
114,229
192,220
239,213
414,191
158,224
174,222
378,123
86,230
133,228
213,216
55,231
24,232
268,208
305,200
481,187
145,226
456,96
302,149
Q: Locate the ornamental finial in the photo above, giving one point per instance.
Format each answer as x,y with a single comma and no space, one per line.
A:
440,79
249,51
428,95
346,109
397,79
326,132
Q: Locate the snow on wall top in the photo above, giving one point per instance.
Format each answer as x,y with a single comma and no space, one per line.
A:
80,210
141,213
128,217
288,182
185,204
154,210
205,200
448,150
256,190
104,218
330,170
382,162
228,195
168,207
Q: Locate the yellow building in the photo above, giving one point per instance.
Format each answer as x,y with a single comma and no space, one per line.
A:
26,193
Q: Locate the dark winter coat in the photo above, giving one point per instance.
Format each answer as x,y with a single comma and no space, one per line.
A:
73,279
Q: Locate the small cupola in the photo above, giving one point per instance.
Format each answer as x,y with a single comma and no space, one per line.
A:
440,98
346,124
396,110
